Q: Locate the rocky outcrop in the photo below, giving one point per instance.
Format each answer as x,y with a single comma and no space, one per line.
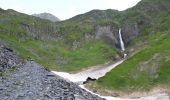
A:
30,81
75,45
109,34
25,27
132,27
47,16
41,32
129,32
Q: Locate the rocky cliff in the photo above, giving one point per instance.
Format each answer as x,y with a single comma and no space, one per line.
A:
108,33
86,32
133,21
82,41
26,27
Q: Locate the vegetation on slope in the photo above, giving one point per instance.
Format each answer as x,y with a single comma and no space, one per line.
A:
55,55
143,71
151,66
51,44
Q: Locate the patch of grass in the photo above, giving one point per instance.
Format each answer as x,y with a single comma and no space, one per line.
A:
89,55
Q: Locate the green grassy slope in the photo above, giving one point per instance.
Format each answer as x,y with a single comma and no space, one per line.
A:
55,55
23,26
150,67
51,44
39,40
144,70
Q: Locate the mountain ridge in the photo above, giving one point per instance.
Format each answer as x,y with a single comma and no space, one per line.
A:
47,16
83,29
92,38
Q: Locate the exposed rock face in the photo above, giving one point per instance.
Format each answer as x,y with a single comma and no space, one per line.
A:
108,33
76,44
129,32
132,21
47,16
50,32
132,27
31,81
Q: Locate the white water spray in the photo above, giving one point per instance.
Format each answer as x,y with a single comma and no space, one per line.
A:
121,41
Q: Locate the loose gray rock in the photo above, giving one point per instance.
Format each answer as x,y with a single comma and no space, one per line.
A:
8,59
30,81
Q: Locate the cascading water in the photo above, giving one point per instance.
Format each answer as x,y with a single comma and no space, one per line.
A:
122,43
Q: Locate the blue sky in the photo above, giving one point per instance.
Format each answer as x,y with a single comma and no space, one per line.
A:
65,9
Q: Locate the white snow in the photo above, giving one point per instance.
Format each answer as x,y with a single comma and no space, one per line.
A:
99,71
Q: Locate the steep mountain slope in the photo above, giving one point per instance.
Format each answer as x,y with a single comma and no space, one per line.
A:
27,80
47,16
87,39
150,67
144,18
147,69
94,25
51,44
26,27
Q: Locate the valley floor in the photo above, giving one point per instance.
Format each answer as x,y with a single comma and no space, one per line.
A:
94,72
99,71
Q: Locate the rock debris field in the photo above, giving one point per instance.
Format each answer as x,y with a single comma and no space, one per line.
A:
28,80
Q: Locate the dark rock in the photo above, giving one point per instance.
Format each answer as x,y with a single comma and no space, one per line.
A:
51,74
7,48
108,33
95,91
88,80
129,32
115,95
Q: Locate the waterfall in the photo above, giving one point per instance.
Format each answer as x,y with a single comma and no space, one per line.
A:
121,41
